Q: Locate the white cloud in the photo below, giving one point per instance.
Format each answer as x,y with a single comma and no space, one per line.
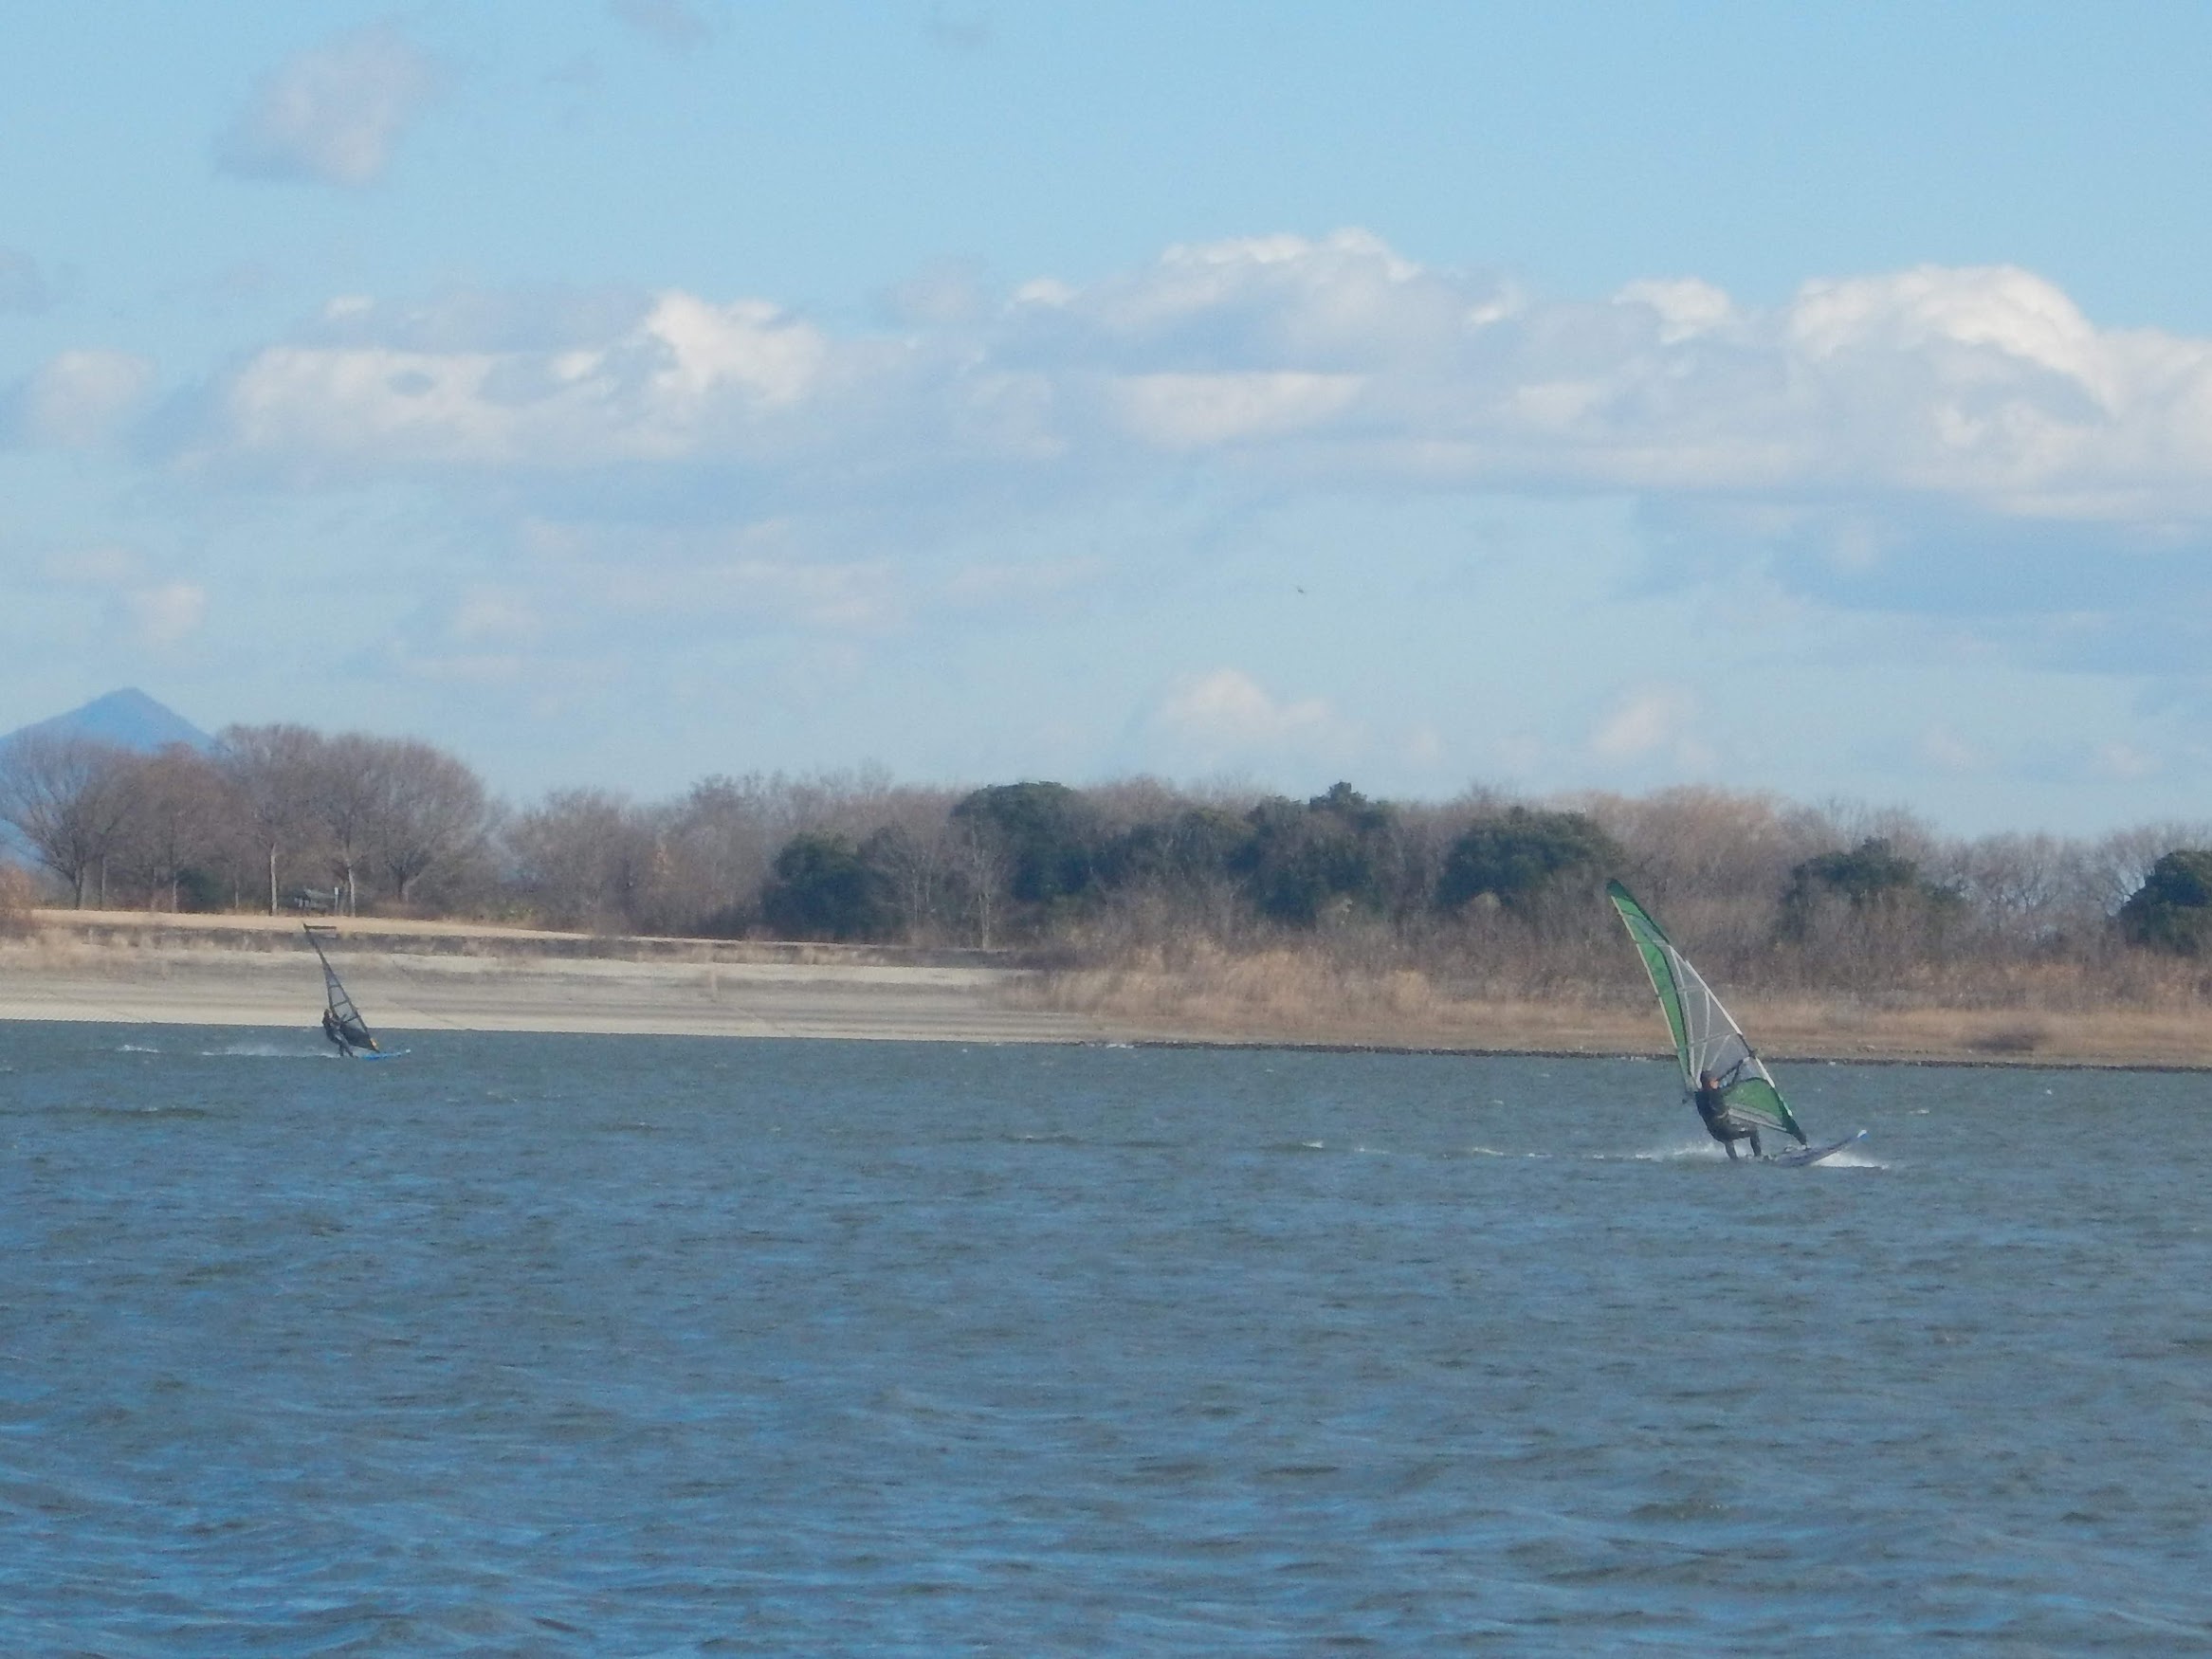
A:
333,114
166,614
2123,762
1976,397
490,612
1198,411
685,380
2014,312
1944,750
1686,308
1653,723
82,398
153,611
750,347
1974,386
1224,716
1424,748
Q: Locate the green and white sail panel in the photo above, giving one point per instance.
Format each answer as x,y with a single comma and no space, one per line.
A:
1707,1037
354,1028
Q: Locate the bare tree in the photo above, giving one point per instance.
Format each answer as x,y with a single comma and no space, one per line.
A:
345,799
69,798
2021,889
180,808
720,839
982,871
587,858
271,772
917,866
429,810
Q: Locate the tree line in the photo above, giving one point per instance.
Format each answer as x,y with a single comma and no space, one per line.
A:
1492,891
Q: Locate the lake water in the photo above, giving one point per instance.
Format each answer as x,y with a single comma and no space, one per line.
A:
607,1345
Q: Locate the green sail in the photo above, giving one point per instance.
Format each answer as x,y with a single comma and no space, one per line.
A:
1707,1037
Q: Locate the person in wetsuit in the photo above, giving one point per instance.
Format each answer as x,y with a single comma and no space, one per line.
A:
1723,1125
347,1035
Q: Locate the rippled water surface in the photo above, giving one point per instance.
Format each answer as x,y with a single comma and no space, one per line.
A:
607,1345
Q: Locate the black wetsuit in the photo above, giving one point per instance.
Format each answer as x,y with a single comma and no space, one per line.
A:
347,1035
1719,1125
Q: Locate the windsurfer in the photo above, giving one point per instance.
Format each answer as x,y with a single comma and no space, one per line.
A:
1721,1124
348,1034
341,1020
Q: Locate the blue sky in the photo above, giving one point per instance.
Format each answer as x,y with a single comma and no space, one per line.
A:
1811,398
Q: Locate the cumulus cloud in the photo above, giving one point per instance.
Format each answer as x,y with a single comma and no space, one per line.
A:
1937,441
332,114
78,399
684,380
1946,751
2123,762
1225,717
1200,412
1983,388
1653,723
1685,307
151,610
166,613
494,611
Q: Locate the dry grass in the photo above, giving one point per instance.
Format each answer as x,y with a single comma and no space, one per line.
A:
1282,994
1205,992
17,899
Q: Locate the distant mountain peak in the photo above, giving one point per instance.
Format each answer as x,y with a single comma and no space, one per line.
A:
128,719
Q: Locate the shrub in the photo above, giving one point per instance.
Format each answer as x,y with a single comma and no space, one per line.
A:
1521,856
2172,910
824,889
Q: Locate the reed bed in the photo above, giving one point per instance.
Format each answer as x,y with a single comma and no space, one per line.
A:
1205,992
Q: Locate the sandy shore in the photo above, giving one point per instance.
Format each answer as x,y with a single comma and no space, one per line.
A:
131,968
429,976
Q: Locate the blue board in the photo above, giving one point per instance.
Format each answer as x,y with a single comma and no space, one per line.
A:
1806,1155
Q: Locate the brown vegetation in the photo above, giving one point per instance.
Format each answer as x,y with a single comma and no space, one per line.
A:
17,898
1204,913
